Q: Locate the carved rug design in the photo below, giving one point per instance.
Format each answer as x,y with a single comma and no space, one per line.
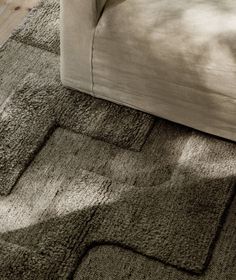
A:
79,174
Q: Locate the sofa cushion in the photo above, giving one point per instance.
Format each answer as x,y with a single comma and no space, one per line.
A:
172,59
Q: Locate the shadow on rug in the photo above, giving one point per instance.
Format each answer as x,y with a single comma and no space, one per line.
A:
77,172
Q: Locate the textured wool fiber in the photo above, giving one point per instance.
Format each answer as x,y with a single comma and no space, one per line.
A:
94,190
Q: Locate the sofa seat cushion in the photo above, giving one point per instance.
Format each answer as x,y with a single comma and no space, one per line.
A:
174,59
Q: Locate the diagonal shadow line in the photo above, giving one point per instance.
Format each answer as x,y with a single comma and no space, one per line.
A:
94,244
84,246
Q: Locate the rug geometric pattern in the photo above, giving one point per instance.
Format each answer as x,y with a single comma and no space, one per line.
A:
79,174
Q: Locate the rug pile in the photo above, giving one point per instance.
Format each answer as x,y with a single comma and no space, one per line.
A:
93,190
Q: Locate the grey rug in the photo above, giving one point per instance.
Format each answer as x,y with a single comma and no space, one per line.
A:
78,174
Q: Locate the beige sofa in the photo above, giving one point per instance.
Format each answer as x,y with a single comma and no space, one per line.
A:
173,59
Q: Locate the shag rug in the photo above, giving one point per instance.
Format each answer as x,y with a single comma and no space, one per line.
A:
94,190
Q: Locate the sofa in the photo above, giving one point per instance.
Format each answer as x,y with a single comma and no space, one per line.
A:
172,59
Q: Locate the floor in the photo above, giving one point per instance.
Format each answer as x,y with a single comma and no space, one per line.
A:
12,13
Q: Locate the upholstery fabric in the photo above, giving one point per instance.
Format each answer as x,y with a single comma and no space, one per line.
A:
175,59
80,174
77,36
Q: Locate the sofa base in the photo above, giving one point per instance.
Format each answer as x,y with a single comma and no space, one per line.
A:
177,63
185,118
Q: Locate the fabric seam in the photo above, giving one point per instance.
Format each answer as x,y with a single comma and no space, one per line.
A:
92,66
92,48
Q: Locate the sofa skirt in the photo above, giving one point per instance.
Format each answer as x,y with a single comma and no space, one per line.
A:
172,59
